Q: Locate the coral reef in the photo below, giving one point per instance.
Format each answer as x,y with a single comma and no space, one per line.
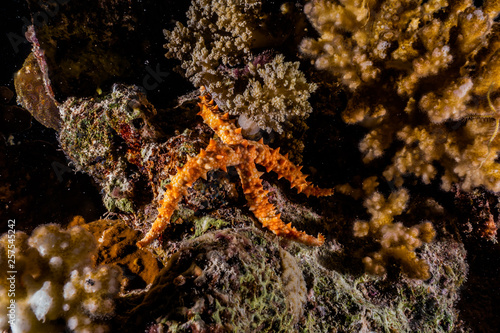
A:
244,282
392,102
242,154
238,279
105,137
423,74
220,49
54,286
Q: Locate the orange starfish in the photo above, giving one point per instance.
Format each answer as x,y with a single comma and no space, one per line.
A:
236,151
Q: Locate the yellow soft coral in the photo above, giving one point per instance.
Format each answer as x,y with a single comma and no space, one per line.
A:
243,154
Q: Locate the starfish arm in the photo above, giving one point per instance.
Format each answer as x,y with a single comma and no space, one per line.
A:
216,156
265,211
272,160
221,124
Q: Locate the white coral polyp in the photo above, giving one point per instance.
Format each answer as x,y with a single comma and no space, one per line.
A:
69,291
42,302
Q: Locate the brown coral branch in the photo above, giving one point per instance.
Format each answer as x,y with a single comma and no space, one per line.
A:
494,116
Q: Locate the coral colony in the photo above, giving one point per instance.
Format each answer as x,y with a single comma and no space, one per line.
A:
57,286
411,76
413,84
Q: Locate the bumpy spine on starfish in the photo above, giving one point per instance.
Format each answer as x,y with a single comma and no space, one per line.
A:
264,211
222,126
271,159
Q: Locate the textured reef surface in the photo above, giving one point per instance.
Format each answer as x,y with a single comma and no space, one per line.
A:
251,166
